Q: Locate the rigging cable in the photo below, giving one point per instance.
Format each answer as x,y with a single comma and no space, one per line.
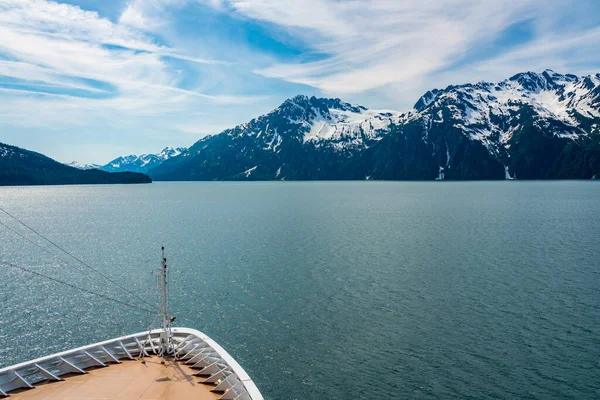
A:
70,255
27,239
9,264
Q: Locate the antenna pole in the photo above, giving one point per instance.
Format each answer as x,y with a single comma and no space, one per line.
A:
164,336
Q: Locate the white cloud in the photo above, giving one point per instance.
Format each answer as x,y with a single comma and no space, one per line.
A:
380,42
134,17
61,45
148,15
56,20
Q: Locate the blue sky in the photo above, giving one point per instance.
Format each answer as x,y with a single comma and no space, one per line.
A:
91,80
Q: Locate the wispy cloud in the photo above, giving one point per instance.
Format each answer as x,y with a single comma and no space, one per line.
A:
369,45
572,53
372,44
60,44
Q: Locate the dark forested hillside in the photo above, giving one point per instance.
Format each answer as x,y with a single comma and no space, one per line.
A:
23,167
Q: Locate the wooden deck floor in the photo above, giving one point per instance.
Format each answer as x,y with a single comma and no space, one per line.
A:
129,380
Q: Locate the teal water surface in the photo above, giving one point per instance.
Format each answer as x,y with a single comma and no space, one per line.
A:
328,290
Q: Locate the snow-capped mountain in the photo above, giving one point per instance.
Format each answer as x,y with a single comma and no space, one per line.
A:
325,122
142,163
317,131
320,122
523,123
530,126
482,108
84,166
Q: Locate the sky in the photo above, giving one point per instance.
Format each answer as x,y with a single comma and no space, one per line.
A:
91,80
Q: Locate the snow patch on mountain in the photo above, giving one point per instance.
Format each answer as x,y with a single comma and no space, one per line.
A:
351,126
84,166
249,171
6,151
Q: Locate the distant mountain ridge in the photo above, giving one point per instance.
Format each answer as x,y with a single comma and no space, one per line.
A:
134,163
24,167
142,163
530,126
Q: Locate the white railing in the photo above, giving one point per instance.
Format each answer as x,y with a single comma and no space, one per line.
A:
191,346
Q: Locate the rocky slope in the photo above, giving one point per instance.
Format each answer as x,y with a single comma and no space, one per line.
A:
530,126
23,167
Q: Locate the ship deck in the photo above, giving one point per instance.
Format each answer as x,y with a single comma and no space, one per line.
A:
129,367
131,379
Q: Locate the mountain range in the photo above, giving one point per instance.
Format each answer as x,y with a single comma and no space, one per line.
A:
23,167
133,163
530,126
143,163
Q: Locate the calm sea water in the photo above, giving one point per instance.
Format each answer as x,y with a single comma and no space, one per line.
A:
372,290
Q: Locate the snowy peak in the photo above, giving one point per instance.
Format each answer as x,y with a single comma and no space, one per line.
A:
142,163
547,80
566,98
303,109
563,106
314,104
426,99
324,122
168,152
522,86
